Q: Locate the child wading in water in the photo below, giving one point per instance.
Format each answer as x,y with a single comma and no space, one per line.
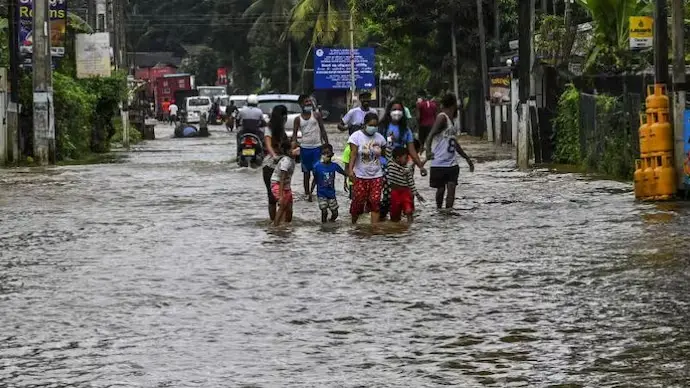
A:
400,177
324,178
280,183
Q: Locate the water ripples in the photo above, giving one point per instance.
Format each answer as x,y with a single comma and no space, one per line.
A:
163,272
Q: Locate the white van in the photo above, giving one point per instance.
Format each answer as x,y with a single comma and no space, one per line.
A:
196,106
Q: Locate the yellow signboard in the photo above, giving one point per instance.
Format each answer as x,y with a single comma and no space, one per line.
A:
641,32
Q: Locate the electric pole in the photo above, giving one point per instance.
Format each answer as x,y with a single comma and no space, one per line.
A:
352,57
497,33
660,42
289,44
454,53
13,106
44,122
486,123
679,88
524,70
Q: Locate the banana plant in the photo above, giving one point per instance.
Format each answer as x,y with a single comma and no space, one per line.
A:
611,19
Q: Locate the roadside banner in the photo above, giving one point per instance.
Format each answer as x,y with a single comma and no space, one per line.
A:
641,32
58,27
93,55
332,68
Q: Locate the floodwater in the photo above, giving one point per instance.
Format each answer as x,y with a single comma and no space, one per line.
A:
161,271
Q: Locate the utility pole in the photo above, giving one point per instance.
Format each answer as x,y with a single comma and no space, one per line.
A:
486,123
454,52
524,70
679,88
289,42
660,42
497,33
101,9
533,82
13,106
44,122
352,57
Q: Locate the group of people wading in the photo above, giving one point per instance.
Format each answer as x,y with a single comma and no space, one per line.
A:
379,159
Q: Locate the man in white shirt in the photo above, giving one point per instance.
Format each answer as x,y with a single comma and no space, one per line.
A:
355,117
172,110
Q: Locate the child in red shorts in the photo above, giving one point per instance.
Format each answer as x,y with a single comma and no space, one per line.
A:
281,183
402,187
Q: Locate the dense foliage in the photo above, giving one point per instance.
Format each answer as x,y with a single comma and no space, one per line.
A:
599,139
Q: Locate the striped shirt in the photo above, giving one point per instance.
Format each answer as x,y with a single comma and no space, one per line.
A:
400,176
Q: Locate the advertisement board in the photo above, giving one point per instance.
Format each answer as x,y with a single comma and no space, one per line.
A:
58,27
332,68
641,32
93,55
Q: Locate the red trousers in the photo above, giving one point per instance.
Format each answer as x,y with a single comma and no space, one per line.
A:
401,203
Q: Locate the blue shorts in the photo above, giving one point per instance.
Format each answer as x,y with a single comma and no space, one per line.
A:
309,156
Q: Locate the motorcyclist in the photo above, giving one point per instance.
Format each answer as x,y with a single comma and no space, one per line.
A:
250,119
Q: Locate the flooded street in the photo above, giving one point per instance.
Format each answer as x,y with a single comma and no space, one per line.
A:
162,271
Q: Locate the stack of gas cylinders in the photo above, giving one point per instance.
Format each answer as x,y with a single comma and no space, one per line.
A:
655,175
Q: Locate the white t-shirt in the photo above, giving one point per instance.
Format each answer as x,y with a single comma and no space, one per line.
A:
285,164
369,150
355,116
173,109
443,146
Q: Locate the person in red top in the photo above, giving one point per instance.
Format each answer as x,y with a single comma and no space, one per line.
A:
165,105
426,116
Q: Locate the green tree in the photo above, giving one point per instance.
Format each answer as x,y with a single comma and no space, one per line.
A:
327,21
610,50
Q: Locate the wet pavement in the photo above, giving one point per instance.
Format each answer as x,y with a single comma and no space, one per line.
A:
161,271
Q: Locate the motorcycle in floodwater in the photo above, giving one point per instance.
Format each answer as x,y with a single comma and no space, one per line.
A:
250,150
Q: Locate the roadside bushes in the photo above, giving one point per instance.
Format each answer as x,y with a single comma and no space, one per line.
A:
74,115
594,132
567,127
84,112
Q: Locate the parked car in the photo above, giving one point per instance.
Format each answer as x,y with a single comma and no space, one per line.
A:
291,101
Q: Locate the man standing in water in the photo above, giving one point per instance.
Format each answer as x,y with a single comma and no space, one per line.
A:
313,136
441,148
354,118
426,114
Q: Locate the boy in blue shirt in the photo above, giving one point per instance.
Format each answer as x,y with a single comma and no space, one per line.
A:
324,178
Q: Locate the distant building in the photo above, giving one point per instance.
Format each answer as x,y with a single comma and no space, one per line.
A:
149,66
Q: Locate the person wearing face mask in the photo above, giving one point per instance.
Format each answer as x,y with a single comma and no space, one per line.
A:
314,135
365,169
354,118
394,127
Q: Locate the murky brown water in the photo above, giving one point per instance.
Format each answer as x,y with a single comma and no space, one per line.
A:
162,272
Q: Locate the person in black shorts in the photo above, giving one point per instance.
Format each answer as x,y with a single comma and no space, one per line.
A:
442,149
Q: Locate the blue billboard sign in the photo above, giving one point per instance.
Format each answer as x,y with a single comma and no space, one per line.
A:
332,68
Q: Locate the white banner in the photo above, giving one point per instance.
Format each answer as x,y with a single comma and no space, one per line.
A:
93,55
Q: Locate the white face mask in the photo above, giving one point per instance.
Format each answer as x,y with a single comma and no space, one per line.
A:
397,115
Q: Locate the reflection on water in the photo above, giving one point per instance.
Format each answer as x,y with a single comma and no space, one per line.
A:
163,272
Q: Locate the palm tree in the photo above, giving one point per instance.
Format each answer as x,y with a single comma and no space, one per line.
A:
276,13
326,20
273,12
